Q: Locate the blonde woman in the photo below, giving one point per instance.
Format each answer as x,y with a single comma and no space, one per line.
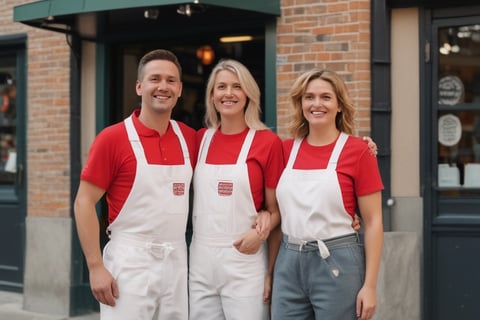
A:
239,163
322,270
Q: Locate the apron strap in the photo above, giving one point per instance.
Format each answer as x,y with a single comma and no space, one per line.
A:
183,143
342,139
242,157
135,140
293,153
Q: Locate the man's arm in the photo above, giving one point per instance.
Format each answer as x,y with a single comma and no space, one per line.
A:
104,287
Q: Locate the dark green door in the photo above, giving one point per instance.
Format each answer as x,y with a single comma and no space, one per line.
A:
452,227
12,162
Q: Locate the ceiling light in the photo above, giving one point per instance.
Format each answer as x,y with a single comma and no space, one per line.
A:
189,9
236,39
185,10
151,14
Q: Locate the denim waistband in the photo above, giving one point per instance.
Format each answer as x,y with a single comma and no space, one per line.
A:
322,245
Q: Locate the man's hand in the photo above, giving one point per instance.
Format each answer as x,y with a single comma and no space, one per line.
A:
104,287
371,145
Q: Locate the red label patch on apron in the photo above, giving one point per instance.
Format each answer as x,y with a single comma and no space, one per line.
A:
178,188
225,188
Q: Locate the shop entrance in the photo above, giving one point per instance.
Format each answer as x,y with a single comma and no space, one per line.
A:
12,163
197,56
452,227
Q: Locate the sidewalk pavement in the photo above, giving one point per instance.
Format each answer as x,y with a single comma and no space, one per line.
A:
11,309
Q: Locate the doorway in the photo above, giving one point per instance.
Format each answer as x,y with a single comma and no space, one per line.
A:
12,159
452,228
197,58
190,108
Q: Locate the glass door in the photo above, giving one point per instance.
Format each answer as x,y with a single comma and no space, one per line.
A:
452,230
458,116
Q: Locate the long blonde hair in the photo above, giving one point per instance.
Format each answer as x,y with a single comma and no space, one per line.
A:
249,86
344,119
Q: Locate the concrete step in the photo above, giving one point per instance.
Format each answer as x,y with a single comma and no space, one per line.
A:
11,309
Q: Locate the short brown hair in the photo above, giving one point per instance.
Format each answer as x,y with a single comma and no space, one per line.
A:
159,54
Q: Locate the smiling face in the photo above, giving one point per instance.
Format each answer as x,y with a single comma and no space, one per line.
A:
160,87
320,104
228,96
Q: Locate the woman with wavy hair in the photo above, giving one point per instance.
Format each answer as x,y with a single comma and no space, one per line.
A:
323,270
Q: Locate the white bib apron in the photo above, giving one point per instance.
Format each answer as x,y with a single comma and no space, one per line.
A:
147,251
310,201
224,283
320,266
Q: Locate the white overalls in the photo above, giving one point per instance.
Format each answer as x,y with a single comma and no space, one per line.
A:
224,283
147,253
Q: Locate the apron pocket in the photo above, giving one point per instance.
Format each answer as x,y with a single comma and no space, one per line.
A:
133,280
246,273
129,266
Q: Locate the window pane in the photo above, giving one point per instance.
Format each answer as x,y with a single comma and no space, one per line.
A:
459,110
8,114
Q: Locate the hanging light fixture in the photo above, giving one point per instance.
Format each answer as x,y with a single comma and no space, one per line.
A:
206,54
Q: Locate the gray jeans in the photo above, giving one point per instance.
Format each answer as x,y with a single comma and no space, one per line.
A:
306,286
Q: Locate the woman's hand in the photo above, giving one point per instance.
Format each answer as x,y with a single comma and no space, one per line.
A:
249,243
262,224
366,303
267,289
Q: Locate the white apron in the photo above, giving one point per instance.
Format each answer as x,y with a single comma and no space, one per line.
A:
310,201
147,251
224,283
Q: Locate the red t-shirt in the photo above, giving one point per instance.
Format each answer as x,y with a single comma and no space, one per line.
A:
264,161
111,164
357,169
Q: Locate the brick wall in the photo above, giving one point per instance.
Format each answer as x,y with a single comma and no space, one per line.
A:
48,121
333,34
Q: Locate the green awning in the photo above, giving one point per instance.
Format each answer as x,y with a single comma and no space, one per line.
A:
43,9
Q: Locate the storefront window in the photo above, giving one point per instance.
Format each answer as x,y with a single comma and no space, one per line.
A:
8,115
459,110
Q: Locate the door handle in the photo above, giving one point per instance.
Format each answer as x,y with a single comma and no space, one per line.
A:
19,176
